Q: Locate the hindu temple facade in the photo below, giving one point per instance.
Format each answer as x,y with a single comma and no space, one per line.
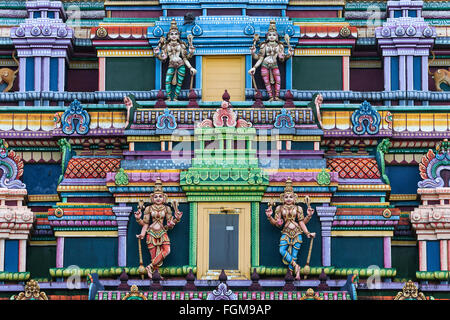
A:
115,104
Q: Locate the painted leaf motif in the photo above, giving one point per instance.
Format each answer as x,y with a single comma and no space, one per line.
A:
214,174
423,171
224,175
430,154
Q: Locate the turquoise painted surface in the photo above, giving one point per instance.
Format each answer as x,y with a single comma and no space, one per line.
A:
405,260
41,178
130,74
356,252
317,73
90,252
29,82
11,255
403,179
40,259
54,74
394,73
433,256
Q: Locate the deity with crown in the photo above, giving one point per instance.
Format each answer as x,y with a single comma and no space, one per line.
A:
270,51
174,49
291,216
153,228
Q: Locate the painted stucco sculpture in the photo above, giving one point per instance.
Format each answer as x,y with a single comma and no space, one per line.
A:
153,229
174,49
291,215
270,52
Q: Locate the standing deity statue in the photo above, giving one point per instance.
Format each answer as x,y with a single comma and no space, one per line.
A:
291,215
175,50
269,51
153,227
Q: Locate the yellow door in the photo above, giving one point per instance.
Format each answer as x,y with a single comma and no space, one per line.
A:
222,73
207,241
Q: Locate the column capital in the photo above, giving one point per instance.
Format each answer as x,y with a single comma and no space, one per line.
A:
122,211
326,212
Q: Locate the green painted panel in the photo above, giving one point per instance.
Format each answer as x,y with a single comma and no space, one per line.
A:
356,252
40,259
317,73
405,260
130,74
90,252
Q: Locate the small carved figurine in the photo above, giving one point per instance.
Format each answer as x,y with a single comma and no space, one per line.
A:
153,228
8,76
291,215
270,50
175,50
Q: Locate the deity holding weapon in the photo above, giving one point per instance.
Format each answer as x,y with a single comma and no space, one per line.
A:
291,215
270,51
174,49
153,228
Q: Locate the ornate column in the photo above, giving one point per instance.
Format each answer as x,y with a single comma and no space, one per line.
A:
42,40
405,40
122,216
431,219
387,252
326,216
59,252
16,219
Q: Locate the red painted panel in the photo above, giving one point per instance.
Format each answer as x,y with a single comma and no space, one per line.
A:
366,80
312,14
136,14
82,80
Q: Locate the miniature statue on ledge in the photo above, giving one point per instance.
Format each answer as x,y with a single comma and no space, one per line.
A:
270,50
175,49
291,235
157,240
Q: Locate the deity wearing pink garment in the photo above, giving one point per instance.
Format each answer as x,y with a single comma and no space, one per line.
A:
270,51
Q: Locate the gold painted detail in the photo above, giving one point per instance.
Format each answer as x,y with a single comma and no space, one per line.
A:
134,294
59,212
410,292
322,52
403,197
361,233
310,295
125,53
364,64
43,197
32,292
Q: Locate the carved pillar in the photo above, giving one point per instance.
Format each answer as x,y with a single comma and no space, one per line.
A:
444,253
122,216
387,252
2,255
60,252
326,216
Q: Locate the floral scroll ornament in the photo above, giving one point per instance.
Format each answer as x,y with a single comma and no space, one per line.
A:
166,120
222,293
366,120
432,165
121,178
323,178
75,119
284,120
11,168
